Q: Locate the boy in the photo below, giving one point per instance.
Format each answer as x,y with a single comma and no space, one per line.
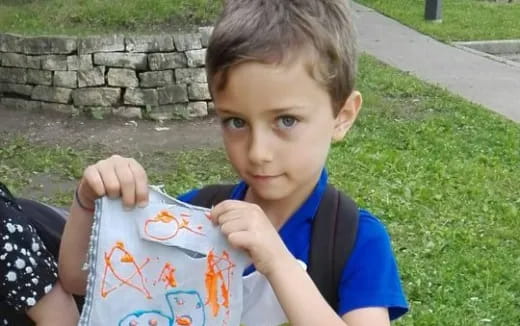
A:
282,78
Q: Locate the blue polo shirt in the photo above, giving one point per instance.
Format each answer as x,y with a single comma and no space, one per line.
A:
370,277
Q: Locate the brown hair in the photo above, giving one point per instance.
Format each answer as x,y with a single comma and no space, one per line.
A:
275,31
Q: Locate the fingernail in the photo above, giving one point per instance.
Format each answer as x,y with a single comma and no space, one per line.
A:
127,208
142,204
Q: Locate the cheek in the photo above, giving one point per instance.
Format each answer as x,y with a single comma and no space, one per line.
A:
310,149
234,149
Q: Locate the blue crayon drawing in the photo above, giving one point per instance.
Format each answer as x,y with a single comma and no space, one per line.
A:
146,318
186,309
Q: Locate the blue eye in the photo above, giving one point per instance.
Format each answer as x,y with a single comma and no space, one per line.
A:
234,123
286,122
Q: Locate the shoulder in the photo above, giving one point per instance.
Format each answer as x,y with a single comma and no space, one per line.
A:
371,277
370,230
372,245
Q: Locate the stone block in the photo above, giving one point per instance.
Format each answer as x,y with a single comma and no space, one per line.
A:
80,62
172,94
14,60
122,78
39,77
136,61
49,45
128,112
97,96
19,104
164,61
13,75
156,78
95,44
190,75
20,60
196,58
18,89
93,77
54,62
34,62
150,43
51,94
197,110
68,79
187,41
199,92
62,108
205,35
139,96
11,43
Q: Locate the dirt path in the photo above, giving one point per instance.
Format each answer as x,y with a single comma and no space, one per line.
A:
129,138
113,135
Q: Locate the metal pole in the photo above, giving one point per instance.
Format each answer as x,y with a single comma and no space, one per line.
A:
433,10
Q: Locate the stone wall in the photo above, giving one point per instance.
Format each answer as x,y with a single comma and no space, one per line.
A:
159,77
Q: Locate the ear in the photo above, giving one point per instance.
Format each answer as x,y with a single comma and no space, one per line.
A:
347,115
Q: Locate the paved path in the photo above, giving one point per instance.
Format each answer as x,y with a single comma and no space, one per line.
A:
481,80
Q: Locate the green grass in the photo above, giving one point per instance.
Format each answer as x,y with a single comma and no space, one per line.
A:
463,20
442,174
81,17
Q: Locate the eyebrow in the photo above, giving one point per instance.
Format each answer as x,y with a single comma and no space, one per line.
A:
279,110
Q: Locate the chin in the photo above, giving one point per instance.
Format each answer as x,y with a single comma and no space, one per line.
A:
270,193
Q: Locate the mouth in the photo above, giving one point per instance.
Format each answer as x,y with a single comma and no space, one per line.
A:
264,177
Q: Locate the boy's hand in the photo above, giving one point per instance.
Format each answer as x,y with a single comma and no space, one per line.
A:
116,176
247,227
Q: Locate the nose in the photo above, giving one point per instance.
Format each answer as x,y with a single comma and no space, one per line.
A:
260,149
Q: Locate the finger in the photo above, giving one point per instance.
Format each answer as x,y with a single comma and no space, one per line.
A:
224,207
91,185
126,181
229,216
234,225
141,183
110,180
241,240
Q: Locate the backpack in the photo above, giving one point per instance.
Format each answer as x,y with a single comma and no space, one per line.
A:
333,236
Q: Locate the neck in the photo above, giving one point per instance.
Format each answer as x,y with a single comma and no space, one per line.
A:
280,210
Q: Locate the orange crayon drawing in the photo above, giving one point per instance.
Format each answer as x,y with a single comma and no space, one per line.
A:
167,276
216,273
127,258
167,217
183,320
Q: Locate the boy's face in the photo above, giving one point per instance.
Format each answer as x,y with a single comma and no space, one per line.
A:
278,124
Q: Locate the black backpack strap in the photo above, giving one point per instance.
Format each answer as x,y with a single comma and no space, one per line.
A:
333,236
212,195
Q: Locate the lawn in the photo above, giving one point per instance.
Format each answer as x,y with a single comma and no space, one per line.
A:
84,17
442,174
463,20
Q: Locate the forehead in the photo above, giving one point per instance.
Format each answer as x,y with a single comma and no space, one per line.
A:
255,84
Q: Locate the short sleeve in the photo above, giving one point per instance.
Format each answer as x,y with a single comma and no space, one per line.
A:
28,270
371,277
187,197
